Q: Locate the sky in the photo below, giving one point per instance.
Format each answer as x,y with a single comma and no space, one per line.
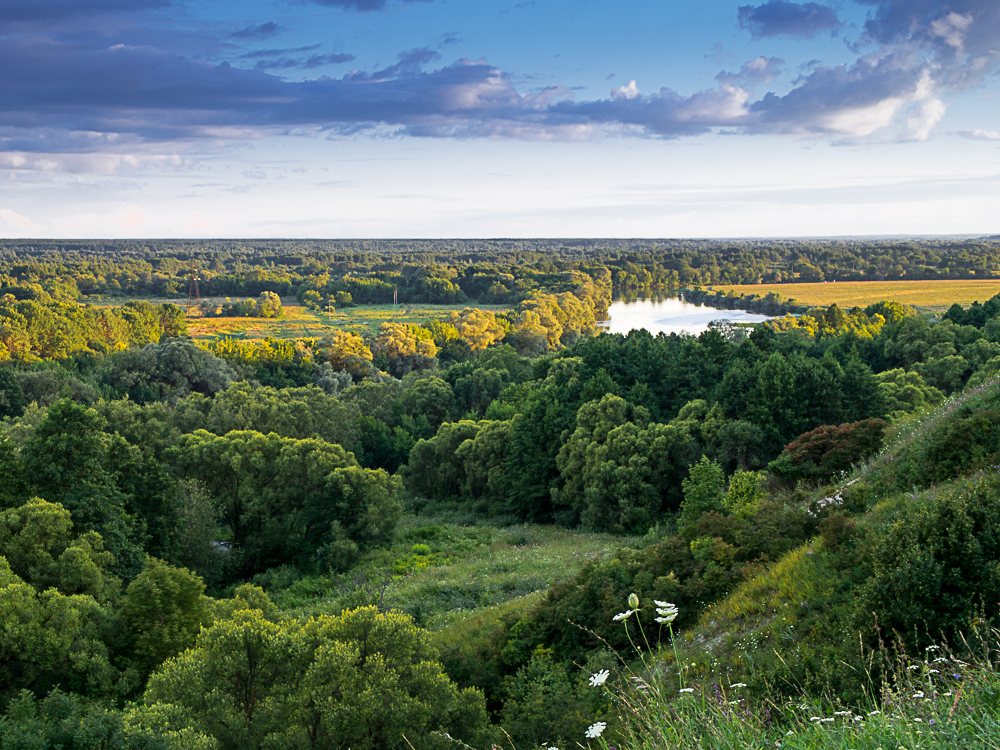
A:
498,118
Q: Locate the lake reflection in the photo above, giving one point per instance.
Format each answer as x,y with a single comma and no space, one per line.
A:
669,315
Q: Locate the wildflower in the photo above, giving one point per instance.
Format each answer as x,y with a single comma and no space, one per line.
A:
873,713
687,690
919,694
915,666
658,603
667,612
595,730
623,615
633,601
841,713
918,719
826,720
946,695
738,685
599,678
933,671
815,718
933,648
734,703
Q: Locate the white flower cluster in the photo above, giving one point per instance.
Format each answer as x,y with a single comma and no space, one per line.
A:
595,730
827,502
599,678
667,612
623,615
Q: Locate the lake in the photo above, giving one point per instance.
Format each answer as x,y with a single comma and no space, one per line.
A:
669,315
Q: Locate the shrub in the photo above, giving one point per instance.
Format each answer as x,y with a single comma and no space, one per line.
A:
937,564
820,454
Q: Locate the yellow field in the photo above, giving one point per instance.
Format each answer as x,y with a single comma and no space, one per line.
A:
929,296
301,322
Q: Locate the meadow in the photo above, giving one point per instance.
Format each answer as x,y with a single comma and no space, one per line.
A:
300,322
443,570
926,296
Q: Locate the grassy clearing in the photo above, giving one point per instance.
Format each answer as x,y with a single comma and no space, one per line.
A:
443,573
301,322
927,296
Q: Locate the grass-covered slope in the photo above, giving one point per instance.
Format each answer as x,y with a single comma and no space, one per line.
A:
908,553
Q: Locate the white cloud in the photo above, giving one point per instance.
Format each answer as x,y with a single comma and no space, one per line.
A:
980,135
629,91
930,112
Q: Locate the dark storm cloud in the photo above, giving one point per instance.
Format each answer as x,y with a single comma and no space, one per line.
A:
363,6
57,10
778,17
257,32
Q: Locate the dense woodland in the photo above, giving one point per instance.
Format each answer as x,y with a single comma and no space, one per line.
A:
463,271
160,498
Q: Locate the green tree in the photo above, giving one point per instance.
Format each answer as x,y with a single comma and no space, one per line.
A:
398,349
618,474
433,470
51,640
289,501
40,546
543,708
478,327
62,721
362,680
936,567
347,351
163,610
70,460
703,492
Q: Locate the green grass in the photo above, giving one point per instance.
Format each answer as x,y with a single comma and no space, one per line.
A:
443,572
934,702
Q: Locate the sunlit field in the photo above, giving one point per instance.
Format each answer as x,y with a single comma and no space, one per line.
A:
301,322
928,296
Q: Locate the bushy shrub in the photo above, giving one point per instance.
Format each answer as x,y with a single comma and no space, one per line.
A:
820,454
936,563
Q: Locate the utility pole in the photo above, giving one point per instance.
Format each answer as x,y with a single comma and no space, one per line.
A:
194,295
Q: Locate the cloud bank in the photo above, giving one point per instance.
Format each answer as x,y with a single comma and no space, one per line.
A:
77,94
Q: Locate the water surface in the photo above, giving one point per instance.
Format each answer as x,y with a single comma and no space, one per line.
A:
669,315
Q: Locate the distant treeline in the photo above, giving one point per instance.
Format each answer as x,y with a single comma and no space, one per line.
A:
464,271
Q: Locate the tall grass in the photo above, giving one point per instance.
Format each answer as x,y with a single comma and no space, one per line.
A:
936,700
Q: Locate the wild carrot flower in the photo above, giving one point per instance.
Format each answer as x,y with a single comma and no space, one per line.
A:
599,678
623,615
667,612
633,601
595,730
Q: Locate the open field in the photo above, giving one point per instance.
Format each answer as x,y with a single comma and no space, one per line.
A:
927,296
301,322
442,572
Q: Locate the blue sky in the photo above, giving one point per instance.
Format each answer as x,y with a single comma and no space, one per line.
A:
546,118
